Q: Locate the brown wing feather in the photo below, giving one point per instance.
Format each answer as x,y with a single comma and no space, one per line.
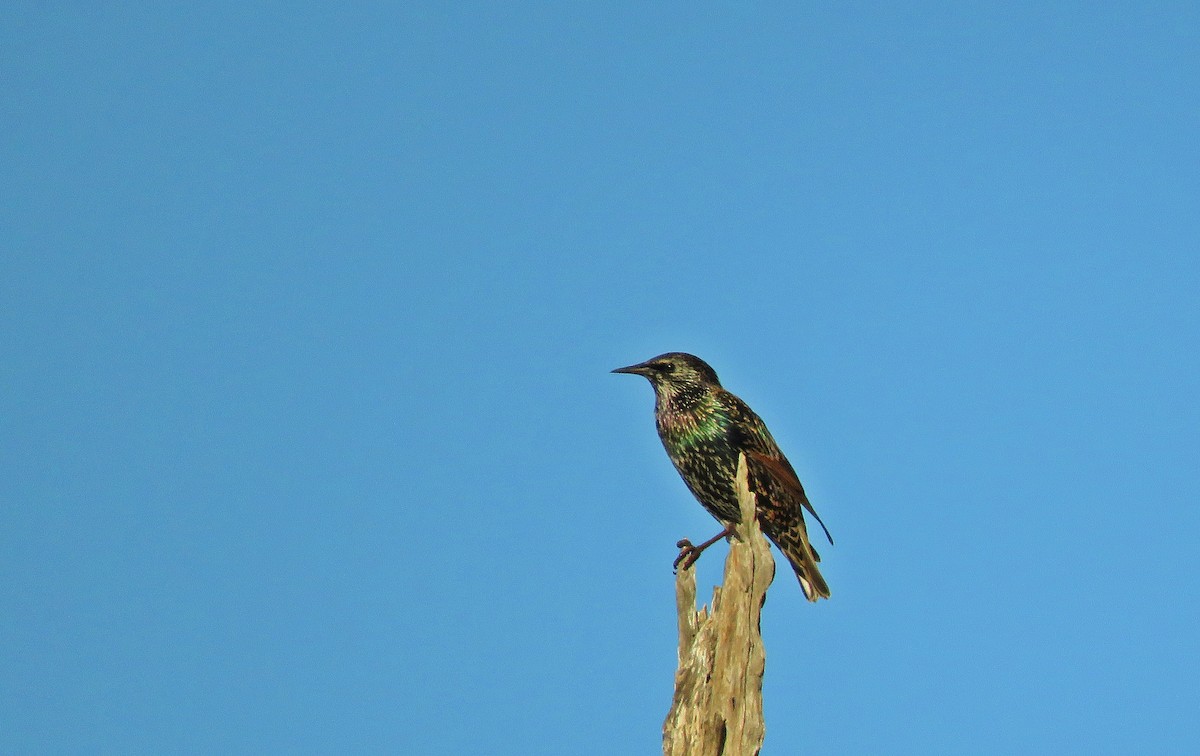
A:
781,470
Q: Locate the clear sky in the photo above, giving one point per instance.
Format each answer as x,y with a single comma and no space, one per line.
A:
309,442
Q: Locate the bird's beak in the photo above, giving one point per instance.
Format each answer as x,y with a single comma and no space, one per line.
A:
639,369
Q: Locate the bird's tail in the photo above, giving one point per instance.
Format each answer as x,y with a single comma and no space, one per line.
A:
803,557
793,541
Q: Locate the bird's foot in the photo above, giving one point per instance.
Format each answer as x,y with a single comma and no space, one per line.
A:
688,554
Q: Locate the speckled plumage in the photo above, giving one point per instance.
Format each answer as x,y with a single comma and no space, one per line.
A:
704,429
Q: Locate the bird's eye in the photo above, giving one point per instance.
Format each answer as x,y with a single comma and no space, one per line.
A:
666,367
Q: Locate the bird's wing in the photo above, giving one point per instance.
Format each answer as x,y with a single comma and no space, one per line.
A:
781,470
761,445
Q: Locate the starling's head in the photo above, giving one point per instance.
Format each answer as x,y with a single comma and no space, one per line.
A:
673,372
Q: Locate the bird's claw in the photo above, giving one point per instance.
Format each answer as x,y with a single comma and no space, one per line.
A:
688,554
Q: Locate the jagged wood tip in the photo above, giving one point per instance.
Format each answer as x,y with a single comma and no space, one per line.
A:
717,707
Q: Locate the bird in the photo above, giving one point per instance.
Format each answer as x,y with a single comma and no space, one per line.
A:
705,429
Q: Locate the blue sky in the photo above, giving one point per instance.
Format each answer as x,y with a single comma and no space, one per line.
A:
309,440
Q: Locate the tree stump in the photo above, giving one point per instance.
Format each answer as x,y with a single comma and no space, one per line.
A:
717,709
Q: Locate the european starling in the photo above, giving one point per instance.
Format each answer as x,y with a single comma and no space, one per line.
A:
704,429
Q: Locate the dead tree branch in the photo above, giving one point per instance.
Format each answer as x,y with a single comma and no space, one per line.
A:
717,709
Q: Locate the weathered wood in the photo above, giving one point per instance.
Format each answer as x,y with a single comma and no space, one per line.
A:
717,709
